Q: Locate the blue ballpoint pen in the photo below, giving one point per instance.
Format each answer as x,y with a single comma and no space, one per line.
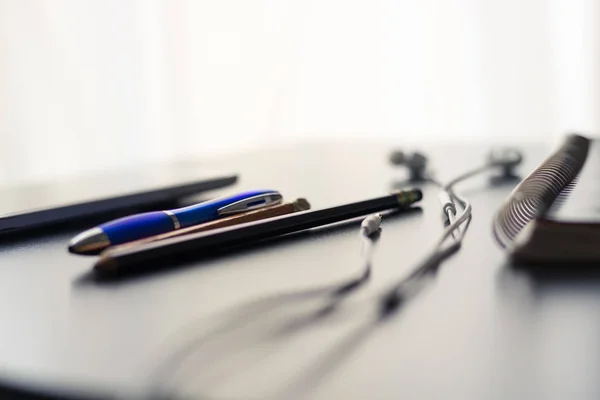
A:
143,225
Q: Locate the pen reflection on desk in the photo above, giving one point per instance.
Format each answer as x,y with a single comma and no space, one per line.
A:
300,204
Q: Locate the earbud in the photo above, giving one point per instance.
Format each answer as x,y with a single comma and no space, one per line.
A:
415,162
507,159
371,224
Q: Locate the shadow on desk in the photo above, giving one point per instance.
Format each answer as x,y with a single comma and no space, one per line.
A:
253,340
238,347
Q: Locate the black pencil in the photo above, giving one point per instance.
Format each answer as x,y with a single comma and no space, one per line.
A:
163,251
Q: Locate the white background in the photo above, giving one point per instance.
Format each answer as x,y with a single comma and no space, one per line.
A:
98,84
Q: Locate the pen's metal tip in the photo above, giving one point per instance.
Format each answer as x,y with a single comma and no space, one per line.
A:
91,241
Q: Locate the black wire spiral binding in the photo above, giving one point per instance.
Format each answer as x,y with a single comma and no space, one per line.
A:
541,190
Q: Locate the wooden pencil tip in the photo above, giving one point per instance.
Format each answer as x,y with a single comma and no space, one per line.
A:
106,266
302,204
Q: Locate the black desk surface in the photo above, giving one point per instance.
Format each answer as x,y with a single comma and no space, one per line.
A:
479,330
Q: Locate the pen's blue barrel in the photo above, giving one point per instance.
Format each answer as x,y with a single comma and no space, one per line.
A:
138,226
196,214
209,210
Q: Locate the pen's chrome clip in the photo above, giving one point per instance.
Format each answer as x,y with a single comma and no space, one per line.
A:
252,203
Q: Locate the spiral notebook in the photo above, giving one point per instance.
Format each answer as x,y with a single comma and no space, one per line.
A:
553,215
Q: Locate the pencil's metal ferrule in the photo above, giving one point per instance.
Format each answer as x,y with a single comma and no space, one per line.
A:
407,197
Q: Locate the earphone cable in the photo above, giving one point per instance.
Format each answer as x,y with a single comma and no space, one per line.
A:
393,297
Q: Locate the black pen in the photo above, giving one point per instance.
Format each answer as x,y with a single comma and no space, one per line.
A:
163,251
